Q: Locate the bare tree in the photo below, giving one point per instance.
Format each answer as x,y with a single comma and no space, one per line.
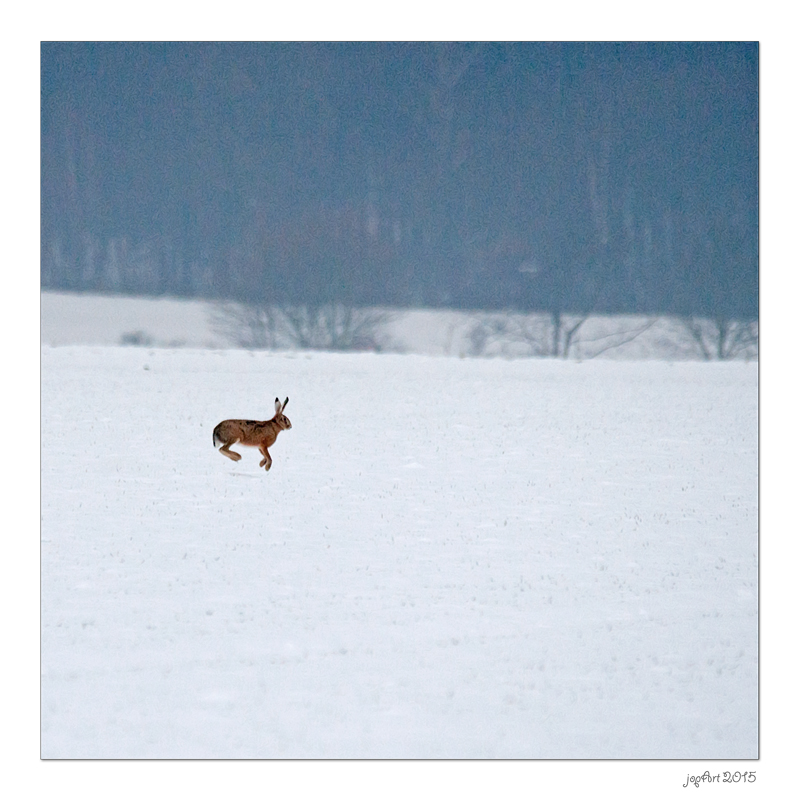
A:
333,326
720,338
253,327
625,333
564,330
523,334
540,335
328,326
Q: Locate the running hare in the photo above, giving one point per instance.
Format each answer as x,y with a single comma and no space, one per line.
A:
252,433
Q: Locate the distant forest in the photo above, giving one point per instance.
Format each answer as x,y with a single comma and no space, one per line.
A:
562,177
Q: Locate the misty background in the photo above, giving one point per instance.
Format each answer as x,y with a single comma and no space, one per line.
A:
568,178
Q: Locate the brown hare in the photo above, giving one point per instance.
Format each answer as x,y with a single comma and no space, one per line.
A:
252,433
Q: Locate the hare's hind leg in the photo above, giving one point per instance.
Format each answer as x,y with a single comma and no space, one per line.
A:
266,462
226,451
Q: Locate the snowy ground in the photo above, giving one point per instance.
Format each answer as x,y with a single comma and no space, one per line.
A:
449,559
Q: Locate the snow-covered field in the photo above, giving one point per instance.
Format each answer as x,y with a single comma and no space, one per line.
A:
450,558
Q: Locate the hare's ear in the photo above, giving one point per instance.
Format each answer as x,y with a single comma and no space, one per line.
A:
284,404
277,406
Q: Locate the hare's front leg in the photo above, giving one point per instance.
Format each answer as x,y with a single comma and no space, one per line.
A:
266,462
226,451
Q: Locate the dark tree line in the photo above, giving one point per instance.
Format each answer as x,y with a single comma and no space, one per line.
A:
569,178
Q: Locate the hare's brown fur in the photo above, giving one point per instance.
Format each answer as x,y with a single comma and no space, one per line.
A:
252,433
